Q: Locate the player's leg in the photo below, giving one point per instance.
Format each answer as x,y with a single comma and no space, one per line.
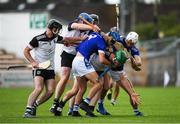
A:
71,104
64,76
49,87
124,83
101,109
85,71
69,95
49,90
72,99
38,87
115,93
110,91
96,86
94,100
65,73
82,84
66,65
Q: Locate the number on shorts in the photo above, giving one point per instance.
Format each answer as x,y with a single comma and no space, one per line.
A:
87,64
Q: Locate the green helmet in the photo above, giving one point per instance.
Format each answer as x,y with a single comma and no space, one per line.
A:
121,56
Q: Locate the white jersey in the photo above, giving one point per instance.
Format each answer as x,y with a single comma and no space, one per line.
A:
44,48
71,49
72,33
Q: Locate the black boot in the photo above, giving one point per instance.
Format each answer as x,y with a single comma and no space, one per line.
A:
30,112
84,106
56,109
76,114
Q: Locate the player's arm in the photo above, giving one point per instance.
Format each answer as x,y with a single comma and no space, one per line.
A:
74,39
135,59
33,43
136,62
28,56
85,27
106,37
102,58
71,40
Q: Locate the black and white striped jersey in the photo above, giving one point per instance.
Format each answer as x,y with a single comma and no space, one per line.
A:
44,48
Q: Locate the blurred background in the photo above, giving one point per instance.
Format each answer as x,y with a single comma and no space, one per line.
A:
156,21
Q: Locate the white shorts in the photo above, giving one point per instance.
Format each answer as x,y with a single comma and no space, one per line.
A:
115,75
94,60
81,66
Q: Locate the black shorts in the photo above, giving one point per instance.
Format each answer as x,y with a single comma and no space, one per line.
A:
67,59
46,74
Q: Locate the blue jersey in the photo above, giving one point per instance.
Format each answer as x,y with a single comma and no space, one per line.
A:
91,45
133,50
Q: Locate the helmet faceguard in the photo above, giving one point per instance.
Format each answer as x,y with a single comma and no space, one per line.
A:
132,38
95,18
55,26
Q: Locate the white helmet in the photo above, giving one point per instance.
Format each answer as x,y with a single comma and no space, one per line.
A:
132,36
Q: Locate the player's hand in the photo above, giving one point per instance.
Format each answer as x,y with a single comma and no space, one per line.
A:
96,28
133,65
135,98
114,62
84,37
35,64
66,43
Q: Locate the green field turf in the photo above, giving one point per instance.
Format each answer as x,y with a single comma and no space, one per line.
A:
159,105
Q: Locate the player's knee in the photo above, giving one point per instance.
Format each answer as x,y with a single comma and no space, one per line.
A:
106,87
74,91
50,91
82,90
38,89
63,80
100,85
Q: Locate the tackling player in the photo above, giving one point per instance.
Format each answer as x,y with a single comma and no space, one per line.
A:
75,89
84,71
76,28
119,76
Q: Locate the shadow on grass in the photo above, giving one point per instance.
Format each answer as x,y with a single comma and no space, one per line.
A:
99,119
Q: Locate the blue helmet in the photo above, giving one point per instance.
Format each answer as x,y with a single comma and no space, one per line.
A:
85,16
115,35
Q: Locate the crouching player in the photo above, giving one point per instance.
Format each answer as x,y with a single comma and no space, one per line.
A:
119,76
119,57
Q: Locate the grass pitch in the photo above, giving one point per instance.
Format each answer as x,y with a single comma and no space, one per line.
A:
159,105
